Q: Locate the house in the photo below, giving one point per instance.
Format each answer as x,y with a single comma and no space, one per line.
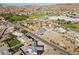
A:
1,18
62,30
41,31
4,49
33,49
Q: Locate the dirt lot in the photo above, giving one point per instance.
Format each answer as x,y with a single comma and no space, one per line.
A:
57,38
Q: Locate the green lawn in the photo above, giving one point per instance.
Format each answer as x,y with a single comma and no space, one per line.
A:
71,26
16,18
13,43
13,17
37,15
41,15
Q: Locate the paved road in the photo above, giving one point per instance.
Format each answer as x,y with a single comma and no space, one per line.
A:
47,43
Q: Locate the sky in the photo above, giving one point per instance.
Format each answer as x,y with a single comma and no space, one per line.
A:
23,4
39,1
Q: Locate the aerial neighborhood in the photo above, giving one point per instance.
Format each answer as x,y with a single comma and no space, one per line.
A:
39,29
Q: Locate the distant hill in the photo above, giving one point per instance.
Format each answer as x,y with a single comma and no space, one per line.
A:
26,4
